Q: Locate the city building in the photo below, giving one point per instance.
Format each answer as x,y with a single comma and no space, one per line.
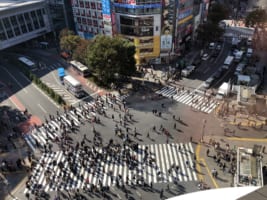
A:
159,29
22,20
89,19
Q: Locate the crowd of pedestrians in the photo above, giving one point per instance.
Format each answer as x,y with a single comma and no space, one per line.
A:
91,155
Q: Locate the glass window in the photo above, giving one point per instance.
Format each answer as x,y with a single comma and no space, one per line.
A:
13,21
17,31
29,25
24,29
21,19
2,36
10,33
6,23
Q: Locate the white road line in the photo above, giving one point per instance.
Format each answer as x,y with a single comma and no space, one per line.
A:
42,108
21,86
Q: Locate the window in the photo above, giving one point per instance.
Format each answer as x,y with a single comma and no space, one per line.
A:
24,29
6,23
87,4
29,25
95,23
2,36
17,31
81,4
99,6
20,19
88,13
93,5
13,21
27,17
89,21
83,20
79,19
150,50
10,33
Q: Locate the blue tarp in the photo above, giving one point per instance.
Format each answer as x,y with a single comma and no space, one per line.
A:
61,72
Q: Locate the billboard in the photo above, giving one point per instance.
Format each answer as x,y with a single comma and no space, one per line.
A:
168,15
106,9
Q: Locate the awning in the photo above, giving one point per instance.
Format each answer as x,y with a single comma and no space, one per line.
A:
61,72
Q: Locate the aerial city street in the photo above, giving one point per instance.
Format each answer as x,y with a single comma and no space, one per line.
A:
133,99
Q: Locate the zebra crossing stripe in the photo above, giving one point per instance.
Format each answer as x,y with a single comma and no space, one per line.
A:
183,172
29,142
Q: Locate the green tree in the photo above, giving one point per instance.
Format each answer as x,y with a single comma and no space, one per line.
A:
80,51
111,58
217,12
256,17
65,32
69,42
209,32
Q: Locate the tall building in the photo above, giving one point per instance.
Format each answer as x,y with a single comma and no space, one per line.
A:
159,29
88,17
22,20
140,22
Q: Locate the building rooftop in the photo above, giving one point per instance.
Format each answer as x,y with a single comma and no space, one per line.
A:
10,4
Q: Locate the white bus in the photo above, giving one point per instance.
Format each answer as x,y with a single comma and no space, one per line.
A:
73,86
27,62
82,69
228,62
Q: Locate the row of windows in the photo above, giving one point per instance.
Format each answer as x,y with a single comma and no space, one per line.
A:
88,13
148,21
20,24
137,2
139,11
86,4
147,50
137,31
88,29
90,22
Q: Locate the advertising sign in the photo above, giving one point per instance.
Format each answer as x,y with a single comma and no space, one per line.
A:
166,42
106,9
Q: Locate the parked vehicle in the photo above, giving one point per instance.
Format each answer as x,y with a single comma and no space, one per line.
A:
205,56
240,68
188,70
238,56
223,91
249,52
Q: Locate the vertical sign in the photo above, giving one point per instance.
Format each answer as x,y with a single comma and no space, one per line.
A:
107,17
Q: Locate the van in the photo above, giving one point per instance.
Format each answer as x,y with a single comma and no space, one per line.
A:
249,52
240,68
249,41
208,82
212,46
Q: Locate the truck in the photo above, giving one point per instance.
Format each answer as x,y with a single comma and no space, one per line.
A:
223,91
228,62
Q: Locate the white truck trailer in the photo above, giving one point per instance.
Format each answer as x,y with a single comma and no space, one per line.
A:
223,91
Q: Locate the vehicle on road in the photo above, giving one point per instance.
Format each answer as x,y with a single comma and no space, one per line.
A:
205,56
208,82
73,86
238,56
80,68
249,52
188,70
228,62
223,91
218,47
212,46
240,68
28,63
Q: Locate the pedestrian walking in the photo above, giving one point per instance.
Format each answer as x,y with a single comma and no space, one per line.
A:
208,152
161,194
174,126
147,135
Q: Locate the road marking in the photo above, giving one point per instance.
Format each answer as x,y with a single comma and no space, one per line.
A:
206,70
208,170
248,139
42,108
199,174
23,88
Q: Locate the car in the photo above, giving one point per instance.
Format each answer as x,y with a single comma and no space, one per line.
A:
218,47
205,56
212,46
208,82
188,70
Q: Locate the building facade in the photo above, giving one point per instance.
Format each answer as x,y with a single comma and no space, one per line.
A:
21,21
159,29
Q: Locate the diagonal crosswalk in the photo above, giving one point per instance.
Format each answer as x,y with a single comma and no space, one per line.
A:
192,99
165,163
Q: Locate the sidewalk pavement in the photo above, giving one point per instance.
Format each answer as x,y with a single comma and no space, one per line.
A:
206,163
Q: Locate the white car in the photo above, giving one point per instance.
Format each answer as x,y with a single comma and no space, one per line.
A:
188,70
205,56
208,82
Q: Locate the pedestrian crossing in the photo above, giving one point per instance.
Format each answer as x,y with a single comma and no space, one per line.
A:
63,93
239,32
165,163
38,137
193,99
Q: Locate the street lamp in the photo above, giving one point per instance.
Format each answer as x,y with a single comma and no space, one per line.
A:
203,129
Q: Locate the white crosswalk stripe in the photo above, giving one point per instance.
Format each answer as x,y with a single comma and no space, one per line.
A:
191,98
173,161
38,137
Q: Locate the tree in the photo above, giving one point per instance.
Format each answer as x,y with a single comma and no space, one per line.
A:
80,52
256,17
69,42
209,32
65,32
217,12
111,58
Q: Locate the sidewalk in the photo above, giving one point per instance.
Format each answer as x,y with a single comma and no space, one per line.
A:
208,163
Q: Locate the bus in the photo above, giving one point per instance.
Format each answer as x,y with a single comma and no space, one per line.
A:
82,69
27,62
228,62
73,86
